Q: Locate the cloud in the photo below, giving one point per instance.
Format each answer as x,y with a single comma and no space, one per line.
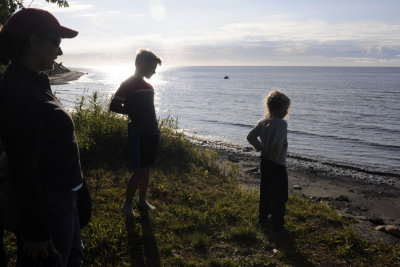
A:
259,42
282,28
280,37
102,15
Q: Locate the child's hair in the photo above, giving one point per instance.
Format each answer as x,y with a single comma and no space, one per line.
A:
277,105
144,57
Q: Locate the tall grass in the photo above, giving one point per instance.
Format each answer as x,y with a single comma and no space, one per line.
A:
101,134
103,139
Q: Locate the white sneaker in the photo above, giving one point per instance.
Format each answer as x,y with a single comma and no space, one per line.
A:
127,209
144,205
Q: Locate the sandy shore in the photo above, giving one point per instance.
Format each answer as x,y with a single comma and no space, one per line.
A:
370,199
64,78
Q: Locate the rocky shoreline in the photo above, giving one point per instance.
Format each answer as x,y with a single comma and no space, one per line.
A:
371,200
237,153
61,75
65,78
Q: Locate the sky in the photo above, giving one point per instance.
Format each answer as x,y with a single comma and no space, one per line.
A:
232,33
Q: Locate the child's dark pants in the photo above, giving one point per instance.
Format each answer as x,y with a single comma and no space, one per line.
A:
273,193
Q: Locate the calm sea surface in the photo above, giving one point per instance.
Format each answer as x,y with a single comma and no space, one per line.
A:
342,115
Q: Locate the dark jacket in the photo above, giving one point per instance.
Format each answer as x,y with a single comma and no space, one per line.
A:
39,138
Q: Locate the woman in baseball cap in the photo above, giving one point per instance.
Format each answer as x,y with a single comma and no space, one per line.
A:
39,137
27,23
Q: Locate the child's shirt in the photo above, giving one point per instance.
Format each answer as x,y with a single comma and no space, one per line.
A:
135,97
270,136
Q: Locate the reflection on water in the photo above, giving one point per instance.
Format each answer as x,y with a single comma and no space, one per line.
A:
338,114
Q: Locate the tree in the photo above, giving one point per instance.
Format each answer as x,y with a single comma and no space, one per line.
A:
8,7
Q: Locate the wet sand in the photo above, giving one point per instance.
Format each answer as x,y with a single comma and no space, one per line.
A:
370,199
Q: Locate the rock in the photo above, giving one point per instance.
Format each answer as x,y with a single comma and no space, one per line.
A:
348,216
362,218
297,187
389,193
347,210
393,230
233,158
251,170
342,198
389,229
376,220
175,253
342,204
57,69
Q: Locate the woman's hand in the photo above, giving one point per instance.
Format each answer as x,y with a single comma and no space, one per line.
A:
37,250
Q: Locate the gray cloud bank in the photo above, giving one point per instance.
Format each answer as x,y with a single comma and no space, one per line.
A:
273,40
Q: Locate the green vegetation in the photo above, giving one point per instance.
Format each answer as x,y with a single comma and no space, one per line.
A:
203,216
8,7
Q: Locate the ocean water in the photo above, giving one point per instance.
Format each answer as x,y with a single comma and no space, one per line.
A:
344,115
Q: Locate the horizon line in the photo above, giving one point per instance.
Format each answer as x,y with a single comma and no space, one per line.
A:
275,66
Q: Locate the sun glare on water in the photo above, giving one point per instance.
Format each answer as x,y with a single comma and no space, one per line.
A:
118,74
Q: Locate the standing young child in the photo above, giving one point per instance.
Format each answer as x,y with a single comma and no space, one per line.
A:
270,138
135,97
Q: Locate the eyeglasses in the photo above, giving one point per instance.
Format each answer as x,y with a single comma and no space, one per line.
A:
54,40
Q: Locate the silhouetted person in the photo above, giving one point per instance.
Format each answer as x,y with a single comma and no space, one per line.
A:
39,138
3,173
135,97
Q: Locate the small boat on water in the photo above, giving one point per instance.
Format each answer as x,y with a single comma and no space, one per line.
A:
226,77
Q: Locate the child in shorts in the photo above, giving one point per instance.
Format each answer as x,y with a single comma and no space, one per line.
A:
135,97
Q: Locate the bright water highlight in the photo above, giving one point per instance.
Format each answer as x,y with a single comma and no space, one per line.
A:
343,115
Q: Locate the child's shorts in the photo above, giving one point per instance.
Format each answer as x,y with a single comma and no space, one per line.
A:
144,146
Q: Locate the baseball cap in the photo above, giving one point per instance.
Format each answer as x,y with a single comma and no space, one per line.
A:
30,21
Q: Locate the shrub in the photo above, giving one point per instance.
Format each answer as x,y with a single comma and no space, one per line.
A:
101,134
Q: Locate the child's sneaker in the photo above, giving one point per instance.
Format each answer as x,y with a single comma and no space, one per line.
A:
127,209
144,205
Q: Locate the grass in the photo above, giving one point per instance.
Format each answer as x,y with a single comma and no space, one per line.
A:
203,216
